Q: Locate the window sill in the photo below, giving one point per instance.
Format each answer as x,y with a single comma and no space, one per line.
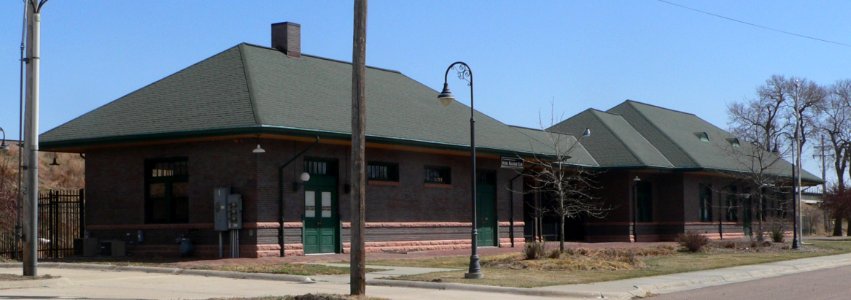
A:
382,183
438,185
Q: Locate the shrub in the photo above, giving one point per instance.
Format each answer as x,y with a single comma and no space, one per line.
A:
777,230
692,241
555,254
534,250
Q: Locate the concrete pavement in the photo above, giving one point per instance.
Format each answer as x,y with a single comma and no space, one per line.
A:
169,283
125,284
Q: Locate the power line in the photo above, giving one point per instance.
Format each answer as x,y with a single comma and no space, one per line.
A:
756,25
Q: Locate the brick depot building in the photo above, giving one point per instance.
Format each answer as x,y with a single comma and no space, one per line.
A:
155,156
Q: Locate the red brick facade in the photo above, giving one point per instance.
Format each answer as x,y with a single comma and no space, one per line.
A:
405,216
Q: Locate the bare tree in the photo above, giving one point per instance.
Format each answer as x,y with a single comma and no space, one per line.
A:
761,178
836,124
571,186
759,120
8,188
805,107
787,110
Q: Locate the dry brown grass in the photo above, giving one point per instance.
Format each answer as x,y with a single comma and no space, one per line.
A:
581,259
594,265
70,174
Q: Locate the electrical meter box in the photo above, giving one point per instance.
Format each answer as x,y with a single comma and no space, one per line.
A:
234,211
220,208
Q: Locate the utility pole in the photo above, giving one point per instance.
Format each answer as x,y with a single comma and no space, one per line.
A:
823,156
357,281
30,192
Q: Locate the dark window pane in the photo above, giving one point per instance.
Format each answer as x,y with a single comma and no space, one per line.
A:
438,175
167,193
382,171
179,189
156,190
181,210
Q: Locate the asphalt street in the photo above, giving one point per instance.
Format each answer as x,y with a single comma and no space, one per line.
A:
822,284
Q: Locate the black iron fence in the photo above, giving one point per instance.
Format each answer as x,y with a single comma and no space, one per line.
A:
61,220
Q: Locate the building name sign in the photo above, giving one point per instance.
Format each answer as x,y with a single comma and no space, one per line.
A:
511,163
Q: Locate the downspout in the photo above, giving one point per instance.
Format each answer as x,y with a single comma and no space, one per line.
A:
511,209
281,193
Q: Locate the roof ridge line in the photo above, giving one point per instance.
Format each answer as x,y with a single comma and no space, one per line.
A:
659,107
671,140
324,58
619,138
637,157
249,85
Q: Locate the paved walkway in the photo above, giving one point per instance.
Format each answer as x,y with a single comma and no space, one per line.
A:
99,281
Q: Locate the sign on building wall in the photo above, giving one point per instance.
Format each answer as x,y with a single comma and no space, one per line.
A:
511,163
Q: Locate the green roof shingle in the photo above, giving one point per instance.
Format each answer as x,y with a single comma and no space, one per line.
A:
250,89
613,142
635,134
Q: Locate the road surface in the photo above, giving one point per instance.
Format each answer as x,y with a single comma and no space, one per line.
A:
822,285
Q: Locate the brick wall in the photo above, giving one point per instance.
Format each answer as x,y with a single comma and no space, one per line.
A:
115,194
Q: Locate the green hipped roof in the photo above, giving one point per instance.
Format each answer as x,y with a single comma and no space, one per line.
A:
565,144
252,89
613,142
673,138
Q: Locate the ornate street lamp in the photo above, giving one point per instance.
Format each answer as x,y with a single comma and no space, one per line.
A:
445,97
3,146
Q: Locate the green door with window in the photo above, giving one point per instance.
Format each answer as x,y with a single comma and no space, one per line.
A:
486,208
321,220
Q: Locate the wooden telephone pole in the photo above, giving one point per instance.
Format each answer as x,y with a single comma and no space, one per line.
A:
358,258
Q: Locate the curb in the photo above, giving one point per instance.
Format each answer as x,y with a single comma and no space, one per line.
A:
739,276
490,289
172,271
33,283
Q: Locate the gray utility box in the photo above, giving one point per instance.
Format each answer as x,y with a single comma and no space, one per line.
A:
220,208
114,248
234,211
227,210
91,247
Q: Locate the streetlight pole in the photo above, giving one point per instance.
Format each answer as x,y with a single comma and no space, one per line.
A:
30,192
635,182
796,173
445,97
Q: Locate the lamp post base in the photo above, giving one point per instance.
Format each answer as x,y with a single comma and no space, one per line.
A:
475,270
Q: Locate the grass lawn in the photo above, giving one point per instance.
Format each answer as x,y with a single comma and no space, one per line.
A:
511,270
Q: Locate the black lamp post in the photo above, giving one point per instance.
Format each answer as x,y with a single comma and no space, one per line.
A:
445,97
635,182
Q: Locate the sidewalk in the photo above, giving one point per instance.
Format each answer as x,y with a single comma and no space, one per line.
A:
619,289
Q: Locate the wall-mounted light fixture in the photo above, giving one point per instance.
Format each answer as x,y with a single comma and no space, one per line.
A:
304,177
258,150
54,163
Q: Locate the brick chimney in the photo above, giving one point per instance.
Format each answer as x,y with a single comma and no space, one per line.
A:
286,37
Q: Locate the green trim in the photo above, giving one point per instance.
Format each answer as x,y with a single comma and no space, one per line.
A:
55,145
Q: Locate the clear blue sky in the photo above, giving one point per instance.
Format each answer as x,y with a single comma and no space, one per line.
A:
524,54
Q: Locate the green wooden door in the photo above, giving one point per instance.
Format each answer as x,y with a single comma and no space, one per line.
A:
321,220
486,208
